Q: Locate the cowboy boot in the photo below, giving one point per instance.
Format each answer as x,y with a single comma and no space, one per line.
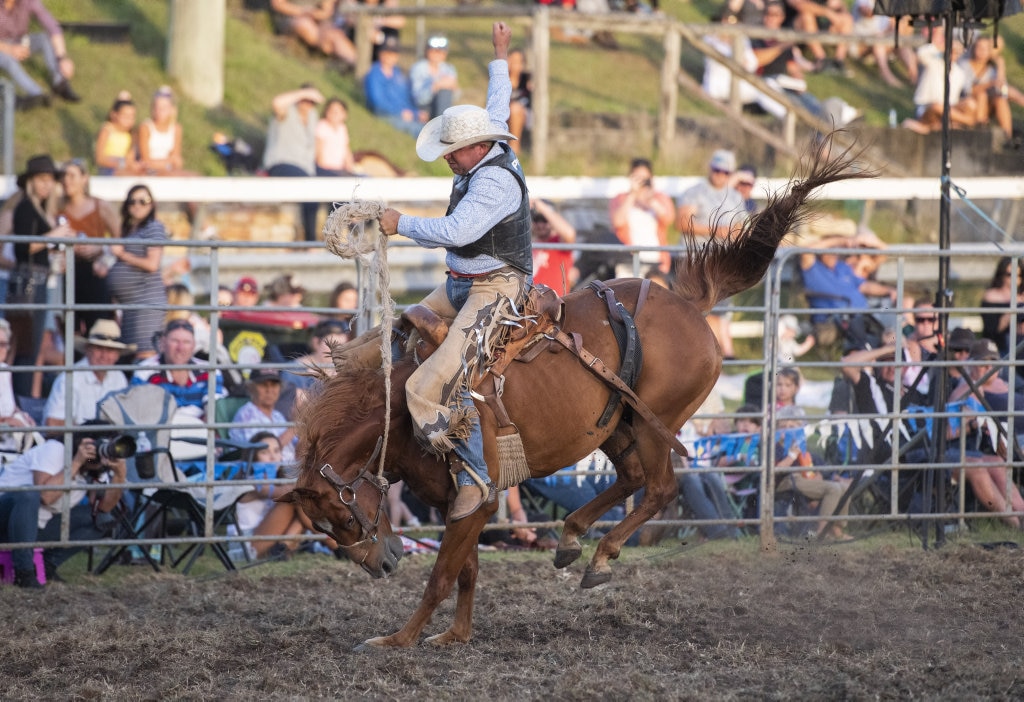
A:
469,497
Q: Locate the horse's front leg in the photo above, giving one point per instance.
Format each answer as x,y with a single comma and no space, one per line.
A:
457,559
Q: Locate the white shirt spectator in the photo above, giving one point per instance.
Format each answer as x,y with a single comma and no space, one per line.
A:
88,390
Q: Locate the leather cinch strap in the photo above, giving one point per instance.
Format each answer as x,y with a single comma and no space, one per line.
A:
596,366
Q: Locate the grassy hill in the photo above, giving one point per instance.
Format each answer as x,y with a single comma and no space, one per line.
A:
259,65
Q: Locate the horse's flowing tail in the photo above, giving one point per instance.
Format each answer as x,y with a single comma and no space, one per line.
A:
723,267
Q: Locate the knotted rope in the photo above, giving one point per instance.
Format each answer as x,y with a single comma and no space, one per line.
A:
346,236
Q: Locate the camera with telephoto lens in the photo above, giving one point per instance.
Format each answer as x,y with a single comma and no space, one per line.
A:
108,448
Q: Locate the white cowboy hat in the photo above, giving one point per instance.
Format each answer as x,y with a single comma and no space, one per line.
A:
105,333
458,126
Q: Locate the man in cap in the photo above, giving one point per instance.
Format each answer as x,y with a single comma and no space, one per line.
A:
435,83
102,347
713,208
247,292
389,93
486,233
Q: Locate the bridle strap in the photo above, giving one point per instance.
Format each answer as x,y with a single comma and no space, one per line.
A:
347,494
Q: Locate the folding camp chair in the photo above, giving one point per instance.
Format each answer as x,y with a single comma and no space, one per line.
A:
163,512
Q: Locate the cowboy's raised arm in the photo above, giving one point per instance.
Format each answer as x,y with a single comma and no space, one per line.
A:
501,35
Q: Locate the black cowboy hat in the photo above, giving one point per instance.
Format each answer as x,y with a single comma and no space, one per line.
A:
36,165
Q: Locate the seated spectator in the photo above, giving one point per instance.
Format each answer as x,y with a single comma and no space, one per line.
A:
986,71
717,82
36,516
259,515
831,284
705,494
921,346
552,268
291,143
641,217
225,296
295,383
102,347
160,137
10,414
743,11
312,22
435,82
247,292
520,104
868,23
999,296
809,483
189,386
787,385
830,16
264,391
743,181
960,342
345,297
115,151
17,44
284,291
384,26
333,149
930,91
389,93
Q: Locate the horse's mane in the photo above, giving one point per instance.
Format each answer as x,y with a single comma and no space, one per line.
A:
338,403
720,268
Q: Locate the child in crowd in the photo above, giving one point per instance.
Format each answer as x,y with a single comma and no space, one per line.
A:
115,144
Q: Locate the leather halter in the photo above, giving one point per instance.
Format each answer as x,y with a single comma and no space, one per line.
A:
347,495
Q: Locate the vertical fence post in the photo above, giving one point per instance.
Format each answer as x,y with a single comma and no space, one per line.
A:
7,126
541,41
669,87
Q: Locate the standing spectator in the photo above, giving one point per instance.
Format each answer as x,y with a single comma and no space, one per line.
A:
34,215
284,291
312,21
135,279
96,220
90,384
333,148
389,93
552,268
160,136
291,143
264,391
115,144
435,82
520,105
641,217
712,208
999,296
17,44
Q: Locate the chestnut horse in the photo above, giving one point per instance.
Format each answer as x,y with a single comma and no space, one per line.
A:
555,401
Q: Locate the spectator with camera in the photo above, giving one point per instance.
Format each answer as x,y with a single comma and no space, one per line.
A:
28,516
641,217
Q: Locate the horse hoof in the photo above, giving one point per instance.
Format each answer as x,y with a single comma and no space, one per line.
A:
567,556
446,639
593,578
373,644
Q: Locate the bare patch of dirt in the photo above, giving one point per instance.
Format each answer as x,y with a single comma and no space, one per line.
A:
807,623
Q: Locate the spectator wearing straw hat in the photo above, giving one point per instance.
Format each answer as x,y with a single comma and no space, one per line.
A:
103,346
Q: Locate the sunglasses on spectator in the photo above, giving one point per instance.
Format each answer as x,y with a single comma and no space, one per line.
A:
745,183
140,201
925,320
719,170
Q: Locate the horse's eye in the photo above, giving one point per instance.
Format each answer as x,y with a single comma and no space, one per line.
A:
350,523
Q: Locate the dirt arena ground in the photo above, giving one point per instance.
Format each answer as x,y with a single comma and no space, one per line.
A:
717,622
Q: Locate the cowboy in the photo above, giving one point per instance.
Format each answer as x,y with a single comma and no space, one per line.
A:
89,382
486,233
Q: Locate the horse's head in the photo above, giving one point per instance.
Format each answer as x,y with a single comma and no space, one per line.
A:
338,485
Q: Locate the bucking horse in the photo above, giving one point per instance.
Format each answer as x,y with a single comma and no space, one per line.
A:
619,366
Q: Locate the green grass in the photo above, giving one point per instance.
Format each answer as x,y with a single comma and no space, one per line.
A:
259,65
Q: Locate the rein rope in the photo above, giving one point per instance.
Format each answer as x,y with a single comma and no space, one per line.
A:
346,236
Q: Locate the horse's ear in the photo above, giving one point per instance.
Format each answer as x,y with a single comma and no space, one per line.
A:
292,496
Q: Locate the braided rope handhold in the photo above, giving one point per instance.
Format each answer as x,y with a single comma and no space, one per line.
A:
346,236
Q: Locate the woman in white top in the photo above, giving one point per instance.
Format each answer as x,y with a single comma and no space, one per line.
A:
160,136
333,149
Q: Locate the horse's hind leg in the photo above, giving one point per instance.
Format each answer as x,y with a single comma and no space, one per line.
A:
629,474
659,489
